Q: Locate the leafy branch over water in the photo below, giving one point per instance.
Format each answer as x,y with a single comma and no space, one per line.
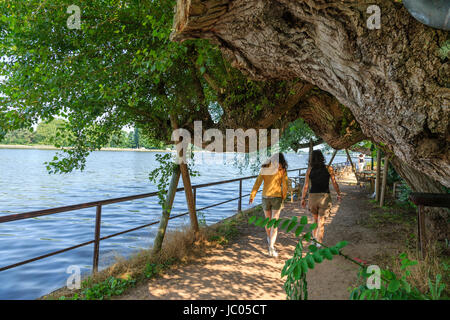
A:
160,176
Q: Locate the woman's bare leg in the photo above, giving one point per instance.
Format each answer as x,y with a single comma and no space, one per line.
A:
268,214
320,228
323,213
274,231
316,220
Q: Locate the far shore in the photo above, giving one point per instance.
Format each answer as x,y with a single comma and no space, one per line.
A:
47,147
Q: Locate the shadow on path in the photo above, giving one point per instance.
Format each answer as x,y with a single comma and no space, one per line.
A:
243,270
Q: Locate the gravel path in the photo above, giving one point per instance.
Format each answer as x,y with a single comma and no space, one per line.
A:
242,270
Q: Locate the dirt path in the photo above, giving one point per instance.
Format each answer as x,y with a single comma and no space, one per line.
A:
242,270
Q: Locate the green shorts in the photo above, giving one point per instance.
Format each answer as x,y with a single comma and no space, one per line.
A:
272,203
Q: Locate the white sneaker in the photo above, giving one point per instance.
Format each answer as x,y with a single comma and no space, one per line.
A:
274,252
318,245
270,252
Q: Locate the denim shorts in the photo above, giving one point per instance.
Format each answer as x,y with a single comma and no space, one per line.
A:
272,203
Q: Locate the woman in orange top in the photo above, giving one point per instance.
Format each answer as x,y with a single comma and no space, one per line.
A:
274,175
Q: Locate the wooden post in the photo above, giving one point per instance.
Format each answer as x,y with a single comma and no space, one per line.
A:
378,176
240,196
383,187
353,167
350,160
194,190
157,244
98,219
311,148
421,240
332,157
189,196
186,179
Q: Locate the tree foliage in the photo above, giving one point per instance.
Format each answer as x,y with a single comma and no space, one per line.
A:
54,133
121,69
296,136
46,133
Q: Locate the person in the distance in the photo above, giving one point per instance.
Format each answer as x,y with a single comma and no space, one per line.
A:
361,162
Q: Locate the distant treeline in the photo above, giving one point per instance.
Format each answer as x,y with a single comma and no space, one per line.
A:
53,134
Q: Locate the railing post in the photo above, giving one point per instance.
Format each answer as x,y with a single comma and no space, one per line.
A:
194,190
240,196
98,218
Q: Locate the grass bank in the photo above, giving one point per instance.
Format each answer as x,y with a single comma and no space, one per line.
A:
179,248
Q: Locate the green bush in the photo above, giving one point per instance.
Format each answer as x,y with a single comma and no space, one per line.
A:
108,288
394,287
103,290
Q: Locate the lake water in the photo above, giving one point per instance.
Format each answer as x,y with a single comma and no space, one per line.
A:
26,186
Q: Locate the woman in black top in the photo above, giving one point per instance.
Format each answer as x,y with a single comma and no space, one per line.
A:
319,201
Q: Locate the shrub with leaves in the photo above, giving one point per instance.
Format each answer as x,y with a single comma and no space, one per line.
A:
103,290
444,50
394,287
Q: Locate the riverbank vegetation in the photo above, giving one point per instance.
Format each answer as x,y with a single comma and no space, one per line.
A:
54,133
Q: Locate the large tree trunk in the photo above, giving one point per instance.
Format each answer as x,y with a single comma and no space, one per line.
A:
391,79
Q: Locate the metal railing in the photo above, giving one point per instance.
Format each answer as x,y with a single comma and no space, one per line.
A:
99,204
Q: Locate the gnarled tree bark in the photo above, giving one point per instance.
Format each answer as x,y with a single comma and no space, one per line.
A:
391,79
296,99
